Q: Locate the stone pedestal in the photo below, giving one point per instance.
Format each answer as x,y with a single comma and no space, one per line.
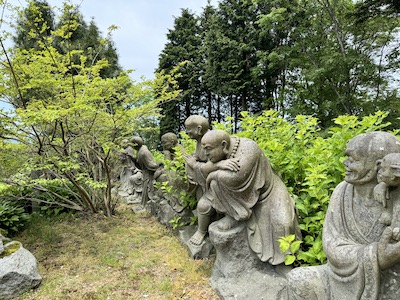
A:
238,273
202,251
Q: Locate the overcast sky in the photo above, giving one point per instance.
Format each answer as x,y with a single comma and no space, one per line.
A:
143,25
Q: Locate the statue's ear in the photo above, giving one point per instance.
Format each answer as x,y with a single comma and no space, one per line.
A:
199,128
224,145
395,170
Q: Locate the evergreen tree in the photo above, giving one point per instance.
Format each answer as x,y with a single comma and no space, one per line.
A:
86,38
332,66
183,50
235,43
35,23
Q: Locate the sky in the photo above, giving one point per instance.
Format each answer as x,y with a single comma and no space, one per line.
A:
142,26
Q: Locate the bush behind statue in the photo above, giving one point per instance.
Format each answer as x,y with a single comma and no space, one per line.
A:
310,162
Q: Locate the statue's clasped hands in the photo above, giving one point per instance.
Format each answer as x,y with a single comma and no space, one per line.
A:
190,160
389,251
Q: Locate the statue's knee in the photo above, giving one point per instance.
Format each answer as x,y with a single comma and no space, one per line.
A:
204,206
305,283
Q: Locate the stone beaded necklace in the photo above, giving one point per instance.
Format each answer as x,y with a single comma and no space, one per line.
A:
235,147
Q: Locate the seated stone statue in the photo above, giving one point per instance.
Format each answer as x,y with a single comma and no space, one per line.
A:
241,185
130,176
363,259
169,141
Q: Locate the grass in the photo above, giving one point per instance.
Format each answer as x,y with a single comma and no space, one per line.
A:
128,256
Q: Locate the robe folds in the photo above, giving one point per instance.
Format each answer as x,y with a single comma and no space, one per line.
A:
352,229
258,196
148,166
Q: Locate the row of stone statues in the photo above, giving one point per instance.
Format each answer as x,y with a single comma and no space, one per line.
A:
239,194
139,169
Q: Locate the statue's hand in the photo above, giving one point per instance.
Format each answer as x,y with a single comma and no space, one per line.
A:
229,164
190,160
388,253
381,193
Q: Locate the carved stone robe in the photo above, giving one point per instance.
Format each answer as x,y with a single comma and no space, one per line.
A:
146,163
351,231
258,196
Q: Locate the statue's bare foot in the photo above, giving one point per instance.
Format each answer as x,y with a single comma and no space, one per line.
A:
227,223
197,238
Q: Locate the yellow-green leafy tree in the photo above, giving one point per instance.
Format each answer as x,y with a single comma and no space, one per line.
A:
72,125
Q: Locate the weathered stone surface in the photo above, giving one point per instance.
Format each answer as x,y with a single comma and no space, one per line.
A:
359,237
238,273
202,251
242,186
18,273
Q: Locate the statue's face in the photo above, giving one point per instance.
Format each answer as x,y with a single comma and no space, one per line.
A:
386,172
214,150
168,144
193,130
359,168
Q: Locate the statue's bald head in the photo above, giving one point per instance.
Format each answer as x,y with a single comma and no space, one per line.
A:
197,120
375,145
137,140
216,137
216,144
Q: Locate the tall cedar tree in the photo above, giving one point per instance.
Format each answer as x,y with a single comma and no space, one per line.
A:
332,66
88,39
35,23
182,49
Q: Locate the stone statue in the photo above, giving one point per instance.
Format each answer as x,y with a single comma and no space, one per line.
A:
145,161
130,177
196,126
360,244
387,188
241,185
169,140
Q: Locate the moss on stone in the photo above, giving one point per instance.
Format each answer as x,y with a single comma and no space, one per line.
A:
10,249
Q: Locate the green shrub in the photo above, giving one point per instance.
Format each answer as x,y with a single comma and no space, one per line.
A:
310,162
52,196
177,166
12,217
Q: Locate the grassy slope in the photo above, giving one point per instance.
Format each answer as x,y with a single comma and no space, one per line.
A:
123,257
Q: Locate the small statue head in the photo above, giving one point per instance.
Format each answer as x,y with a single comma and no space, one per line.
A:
124,143
137,142
169,140
364,152
196,126
216,144
389,169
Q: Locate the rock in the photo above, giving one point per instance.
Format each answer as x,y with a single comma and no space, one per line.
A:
238,273
204,250
18,272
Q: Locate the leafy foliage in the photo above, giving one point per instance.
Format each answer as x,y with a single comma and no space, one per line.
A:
12,217
177,166
70,119
309,161
299,57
